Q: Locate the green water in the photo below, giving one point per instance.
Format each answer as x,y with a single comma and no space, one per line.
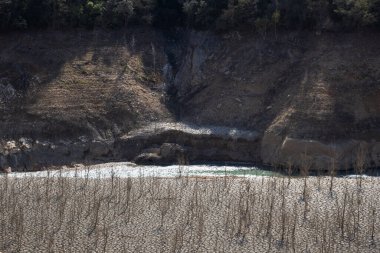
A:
240,172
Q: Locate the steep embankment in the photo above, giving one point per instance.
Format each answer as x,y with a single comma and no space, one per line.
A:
61,91
315,99
80,83
310,100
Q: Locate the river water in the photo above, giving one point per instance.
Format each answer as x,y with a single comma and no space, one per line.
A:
124,170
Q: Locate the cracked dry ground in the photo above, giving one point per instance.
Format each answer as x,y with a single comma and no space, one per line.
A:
187,214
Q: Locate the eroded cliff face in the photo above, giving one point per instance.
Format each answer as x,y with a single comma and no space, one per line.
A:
64,85
314,99
311,101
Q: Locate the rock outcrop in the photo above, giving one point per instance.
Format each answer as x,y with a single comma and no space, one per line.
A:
317,155
297,99
312,98
27,154
182,143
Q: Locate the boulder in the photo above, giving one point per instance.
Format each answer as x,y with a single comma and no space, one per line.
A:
203,144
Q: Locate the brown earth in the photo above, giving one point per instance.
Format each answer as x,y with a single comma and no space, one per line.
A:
313,99
90,83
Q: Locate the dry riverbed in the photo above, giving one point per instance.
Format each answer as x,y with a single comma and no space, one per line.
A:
186,213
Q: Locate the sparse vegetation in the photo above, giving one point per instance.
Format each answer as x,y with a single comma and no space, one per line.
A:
161,96
188,214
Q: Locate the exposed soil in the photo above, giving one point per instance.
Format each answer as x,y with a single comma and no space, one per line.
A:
313,98
81,83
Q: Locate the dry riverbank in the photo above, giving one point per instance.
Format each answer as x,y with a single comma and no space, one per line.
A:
189,214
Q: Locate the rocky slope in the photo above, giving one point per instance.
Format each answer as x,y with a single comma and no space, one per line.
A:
310,100
314,99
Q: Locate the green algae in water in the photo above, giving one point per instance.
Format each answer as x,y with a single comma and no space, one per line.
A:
240,172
